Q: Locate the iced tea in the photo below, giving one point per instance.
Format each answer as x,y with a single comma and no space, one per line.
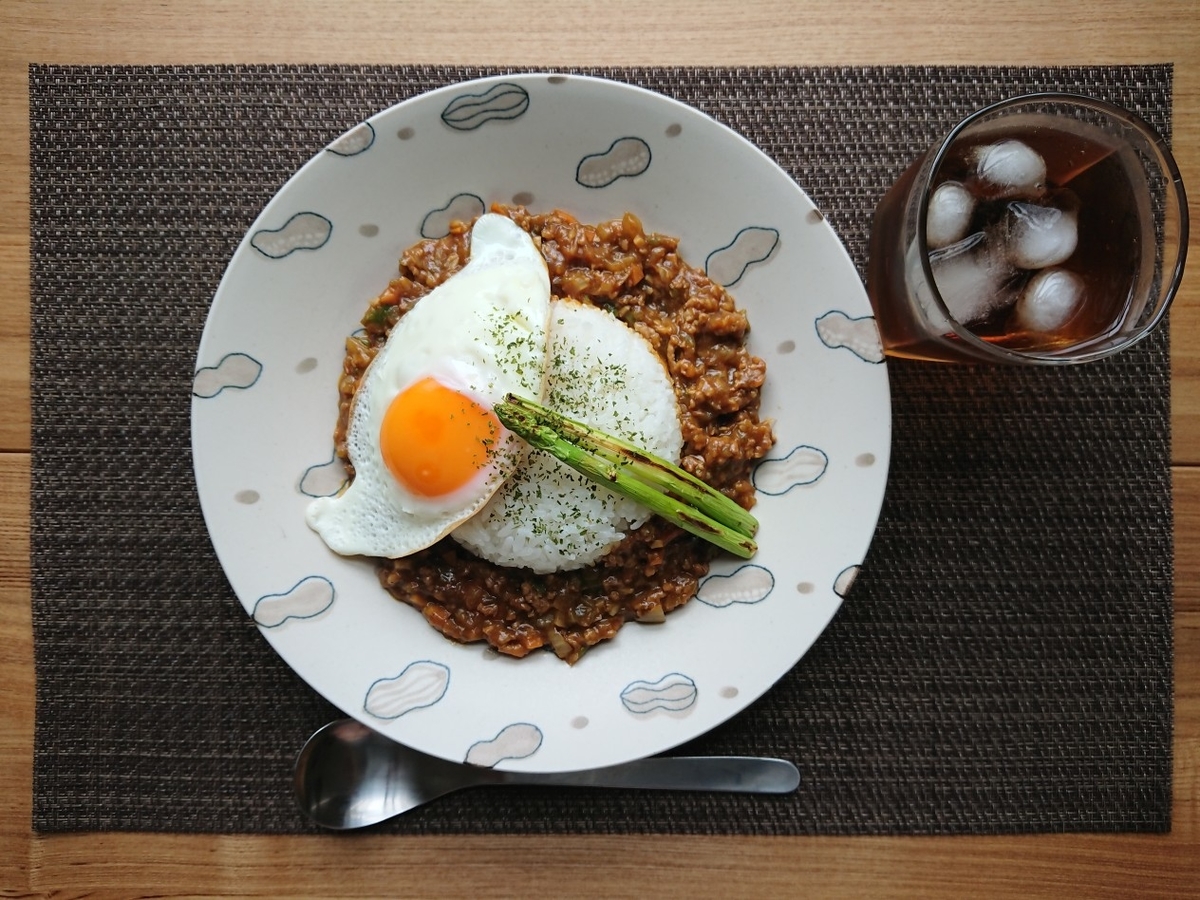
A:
1046,229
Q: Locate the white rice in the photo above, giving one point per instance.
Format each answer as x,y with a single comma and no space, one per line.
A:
547,517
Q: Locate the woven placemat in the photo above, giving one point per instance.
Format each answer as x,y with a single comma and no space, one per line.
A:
1003,663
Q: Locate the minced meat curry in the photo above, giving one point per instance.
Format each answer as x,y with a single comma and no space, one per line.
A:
700,334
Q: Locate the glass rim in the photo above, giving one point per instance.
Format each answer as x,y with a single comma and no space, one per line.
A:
1170,288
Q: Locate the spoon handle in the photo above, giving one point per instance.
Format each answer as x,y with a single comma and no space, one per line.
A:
743,774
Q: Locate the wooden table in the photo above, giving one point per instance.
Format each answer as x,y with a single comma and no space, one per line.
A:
618,32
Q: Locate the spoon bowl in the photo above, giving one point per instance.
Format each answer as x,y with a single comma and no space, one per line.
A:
348,776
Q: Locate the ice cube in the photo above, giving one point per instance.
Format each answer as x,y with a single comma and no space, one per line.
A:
950,208
1014,167
971,279
922,289
1049,300
1039,236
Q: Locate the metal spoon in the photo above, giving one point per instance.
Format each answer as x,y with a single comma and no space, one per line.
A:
348,776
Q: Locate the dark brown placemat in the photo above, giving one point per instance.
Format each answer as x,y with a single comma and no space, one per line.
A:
1002,665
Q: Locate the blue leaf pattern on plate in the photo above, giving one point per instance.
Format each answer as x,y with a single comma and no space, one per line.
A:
421,684
355,141
753,244
860,336
308,598
503,101
803,465
323,479
516,741
626,157
463,207
303,231
235,371
845,580
748,584
672,693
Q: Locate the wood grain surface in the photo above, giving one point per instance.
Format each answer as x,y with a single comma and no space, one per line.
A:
619,32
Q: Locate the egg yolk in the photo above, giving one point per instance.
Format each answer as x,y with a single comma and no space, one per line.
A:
434,440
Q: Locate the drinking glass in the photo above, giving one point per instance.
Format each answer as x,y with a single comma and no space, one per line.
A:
1045,229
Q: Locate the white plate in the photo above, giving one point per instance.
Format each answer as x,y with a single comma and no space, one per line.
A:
264,402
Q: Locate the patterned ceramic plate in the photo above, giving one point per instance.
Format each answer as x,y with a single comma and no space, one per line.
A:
264,401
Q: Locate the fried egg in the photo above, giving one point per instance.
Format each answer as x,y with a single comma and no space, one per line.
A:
427,450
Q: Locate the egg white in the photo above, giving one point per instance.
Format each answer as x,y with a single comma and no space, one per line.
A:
483,333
